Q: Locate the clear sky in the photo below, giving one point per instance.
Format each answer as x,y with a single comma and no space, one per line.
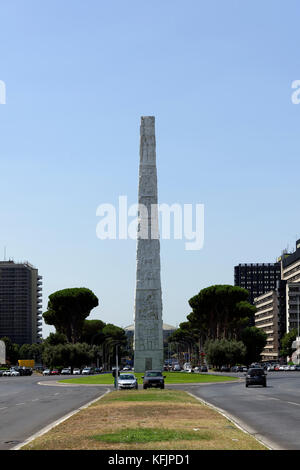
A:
216,75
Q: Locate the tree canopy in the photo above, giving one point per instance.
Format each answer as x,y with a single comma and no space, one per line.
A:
220,311
67,310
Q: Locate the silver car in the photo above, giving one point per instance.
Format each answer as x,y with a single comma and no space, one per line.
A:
127,381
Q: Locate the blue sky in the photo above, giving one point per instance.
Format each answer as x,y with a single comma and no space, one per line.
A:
217,76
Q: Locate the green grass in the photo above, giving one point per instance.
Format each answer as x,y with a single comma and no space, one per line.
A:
149,395
171,378
135,435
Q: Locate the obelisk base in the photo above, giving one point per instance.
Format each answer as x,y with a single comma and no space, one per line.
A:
148,360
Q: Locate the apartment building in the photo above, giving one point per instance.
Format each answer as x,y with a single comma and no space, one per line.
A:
20,302
267,318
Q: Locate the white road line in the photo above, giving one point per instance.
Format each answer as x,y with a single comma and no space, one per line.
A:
17,404
3,408
293,403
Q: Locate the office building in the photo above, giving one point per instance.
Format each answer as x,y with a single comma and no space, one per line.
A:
20,302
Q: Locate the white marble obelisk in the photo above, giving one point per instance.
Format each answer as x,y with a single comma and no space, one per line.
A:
148,332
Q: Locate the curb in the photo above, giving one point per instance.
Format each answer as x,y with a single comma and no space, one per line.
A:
57,422
239,424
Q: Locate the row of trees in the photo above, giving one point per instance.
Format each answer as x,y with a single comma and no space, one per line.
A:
218,326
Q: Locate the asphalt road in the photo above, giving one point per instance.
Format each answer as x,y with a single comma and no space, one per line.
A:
271,414
26,407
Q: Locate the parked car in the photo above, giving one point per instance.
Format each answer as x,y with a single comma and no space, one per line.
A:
54,372
87,371
256,376
14,373
297,367
292,367
6,373
66,371
127,368
203,369
46,372
225,369
126,381
76,371
153,378
176,368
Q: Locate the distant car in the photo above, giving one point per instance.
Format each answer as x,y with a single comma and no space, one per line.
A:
153,378
176,367
203,369
126,381
97,370
66,371
54,372
225,369
14,373
292,367
87,371
46,372
297,367
127,368
256,376
6,373
76,371
25,370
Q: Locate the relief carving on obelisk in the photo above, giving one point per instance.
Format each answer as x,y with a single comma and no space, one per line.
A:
148,337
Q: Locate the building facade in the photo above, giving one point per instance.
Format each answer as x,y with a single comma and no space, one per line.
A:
257,278
20,302
268,319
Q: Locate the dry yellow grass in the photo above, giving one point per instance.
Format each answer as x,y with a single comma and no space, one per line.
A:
109,416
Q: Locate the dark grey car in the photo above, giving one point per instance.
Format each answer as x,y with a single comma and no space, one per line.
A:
153,378
256,376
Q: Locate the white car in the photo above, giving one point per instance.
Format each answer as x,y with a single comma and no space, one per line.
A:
76,371
127,381
46,372
11,373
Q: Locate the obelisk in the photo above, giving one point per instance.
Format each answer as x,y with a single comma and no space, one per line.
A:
148,332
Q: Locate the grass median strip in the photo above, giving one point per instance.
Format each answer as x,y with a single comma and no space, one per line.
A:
171,378
142,419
